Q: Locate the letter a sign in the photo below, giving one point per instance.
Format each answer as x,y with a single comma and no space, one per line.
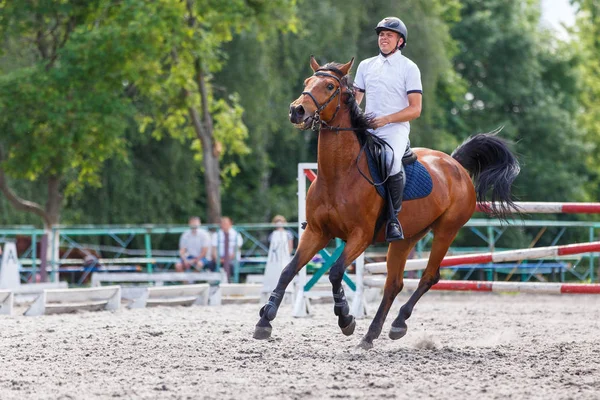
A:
9,271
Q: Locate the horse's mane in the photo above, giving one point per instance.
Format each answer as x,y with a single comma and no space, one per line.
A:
359,120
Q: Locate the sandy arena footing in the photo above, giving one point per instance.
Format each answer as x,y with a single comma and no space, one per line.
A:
459,345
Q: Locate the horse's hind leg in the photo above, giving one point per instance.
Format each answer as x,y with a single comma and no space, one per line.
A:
431,276
396,259
310,243
354,247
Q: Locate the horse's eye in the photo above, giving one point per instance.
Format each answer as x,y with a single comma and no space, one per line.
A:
330,86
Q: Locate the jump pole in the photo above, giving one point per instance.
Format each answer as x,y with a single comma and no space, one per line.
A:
548,208
500,256
497,287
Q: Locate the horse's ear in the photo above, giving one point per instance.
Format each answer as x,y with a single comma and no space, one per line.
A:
314,64
347,67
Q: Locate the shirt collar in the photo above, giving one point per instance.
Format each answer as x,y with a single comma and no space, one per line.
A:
392,58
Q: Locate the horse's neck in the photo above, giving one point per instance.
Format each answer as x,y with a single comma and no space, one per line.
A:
337,151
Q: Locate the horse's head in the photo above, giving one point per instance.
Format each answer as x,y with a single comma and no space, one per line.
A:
321,98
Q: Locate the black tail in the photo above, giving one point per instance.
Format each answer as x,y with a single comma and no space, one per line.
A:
492,165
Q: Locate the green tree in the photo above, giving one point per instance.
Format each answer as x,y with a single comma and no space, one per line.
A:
60,118
588,46
66,112
270,74
185,102
520,79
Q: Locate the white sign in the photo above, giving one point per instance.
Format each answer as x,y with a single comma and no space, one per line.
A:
9,270
279,257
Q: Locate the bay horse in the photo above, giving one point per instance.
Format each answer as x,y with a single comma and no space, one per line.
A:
340,203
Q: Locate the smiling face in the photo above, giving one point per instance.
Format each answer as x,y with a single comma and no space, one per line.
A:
387,41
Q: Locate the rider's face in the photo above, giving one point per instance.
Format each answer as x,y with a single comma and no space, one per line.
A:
387,41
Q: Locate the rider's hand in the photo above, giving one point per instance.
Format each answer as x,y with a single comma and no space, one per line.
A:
380,121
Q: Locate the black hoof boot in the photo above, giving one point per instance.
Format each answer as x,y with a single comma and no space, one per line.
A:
349,329
262,332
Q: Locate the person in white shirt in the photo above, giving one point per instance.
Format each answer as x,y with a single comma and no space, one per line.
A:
393,89
227,244
280,231
193,247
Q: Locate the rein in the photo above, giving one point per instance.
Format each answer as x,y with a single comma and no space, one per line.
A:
318,123
382,145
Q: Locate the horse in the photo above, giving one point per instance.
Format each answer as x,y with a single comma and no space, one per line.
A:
341,203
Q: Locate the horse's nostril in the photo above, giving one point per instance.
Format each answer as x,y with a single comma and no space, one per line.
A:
300,110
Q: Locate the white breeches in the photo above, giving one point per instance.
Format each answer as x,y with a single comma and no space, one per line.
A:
397,137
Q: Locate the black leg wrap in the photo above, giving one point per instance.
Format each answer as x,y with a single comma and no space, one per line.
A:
341,305
269,310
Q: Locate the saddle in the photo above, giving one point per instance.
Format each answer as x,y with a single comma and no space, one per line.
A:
417,179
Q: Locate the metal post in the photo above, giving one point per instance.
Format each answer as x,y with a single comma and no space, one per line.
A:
53,263
591,256
148,245
34,256
491,245
236,271
218,260
44,258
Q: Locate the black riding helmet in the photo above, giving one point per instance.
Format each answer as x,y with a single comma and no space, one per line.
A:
395,25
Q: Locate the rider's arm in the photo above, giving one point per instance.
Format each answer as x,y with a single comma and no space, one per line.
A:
358,95
411,112
359,84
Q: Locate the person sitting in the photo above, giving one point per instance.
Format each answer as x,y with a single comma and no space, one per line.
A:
193,247
227,242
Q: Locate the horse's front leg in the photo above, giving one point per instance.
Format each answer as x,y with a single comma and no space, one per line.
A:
310,243
396,260
354,248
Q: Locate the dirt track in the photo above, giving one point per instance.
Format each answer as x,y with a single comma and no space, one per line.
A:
461,346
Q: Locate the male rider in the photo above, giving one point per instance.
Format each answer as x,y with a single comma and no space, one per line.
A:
392,84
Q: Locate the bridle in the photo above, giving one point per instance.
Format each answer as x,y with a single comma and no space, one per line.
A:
317,122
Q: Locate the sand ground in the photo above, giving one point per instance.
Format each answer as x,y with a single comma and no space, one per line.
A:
460,346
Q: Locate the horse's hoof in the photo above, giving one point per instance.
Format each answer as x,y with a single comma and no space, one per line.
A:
262,332
365,345
397,333
349,330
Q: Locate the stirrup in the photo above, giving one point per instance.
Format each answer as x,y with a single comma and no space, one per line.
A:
393,232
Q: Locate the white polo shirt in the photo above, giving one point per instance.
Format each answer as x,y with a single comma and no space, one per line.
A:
234,245
387,82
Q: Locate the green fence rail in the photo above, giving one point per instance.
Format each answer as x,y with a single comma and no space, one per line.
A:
139,243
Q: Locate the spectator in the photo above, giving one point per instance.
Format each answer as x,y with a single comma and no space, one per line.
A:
227,242
193,247
280,221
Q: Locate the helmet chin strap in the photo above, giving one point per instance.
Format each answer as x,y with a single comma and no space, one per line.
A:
391,52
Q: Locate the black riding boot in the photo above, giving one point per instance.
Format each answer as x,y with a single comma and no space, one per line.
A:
395,187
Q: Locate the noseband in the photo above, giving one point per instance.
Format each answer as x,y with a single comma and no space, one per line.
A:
317,123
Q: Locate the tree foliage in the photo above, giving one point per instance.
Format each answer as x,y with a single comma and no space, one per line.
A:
143,108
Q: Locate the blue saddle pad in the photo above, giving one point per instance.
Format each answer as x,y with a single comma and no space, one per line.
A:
418,180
